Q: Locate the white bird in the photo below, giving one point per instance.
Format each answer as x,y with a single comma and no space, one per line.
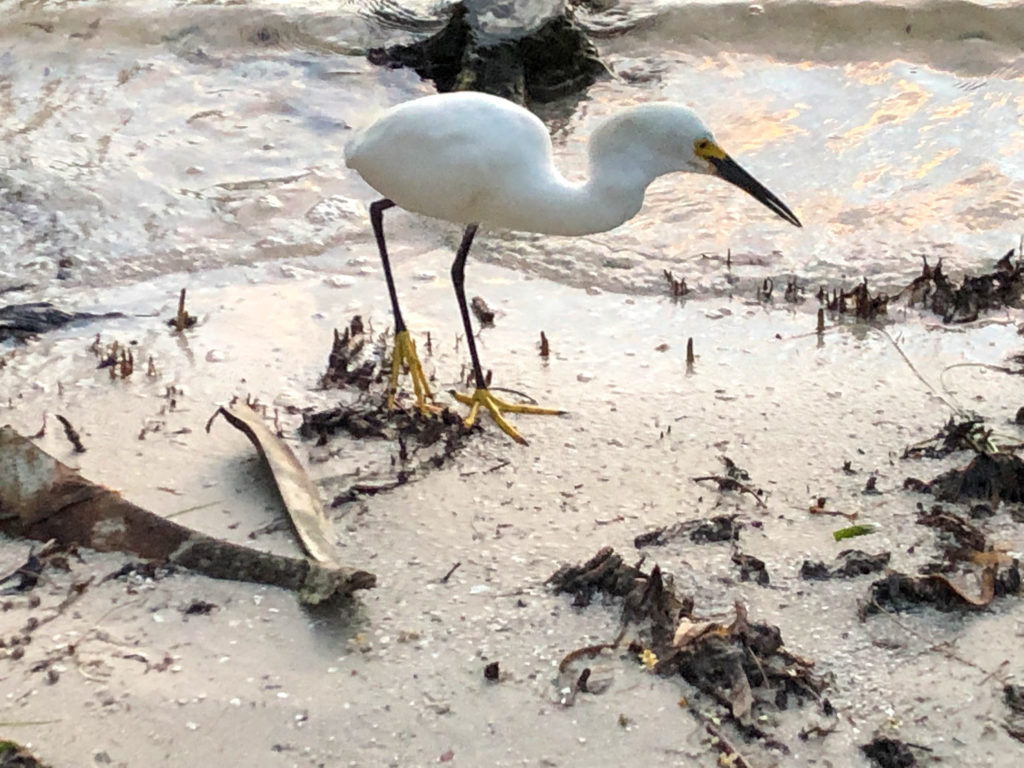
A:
479,160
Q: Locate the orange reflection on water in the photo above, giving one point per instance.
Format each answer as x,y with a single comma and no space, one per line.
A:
892,110
926,167
758,127
869,177
868,72
949,112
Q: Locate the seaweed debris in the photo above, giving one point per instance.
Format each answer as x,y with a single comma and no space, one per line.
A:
964,434
858,301
354,363
741,666
13,755
347,366
850,563
1002,287
703,531
889,753
970,574
1013,697
991,477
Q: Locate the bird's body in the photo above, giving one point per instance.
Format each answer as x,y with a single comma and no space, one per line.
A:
474,158
464,157
478,160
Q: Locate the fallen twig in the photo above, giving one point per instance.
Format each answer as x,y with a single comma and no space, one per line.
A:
72,435
444,579
731,484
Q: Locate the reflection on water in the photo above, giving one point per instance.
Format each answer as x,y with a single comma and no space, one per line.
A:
140,139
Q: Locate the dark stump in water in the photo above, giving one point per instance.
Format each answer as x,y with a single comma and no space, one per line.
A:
522,51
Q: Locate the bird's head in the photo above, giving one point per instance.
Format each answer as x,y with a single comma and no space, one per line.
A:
709,157
663,138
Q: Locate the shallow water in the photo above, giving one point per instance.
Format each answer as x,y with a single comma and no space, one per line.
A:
141,139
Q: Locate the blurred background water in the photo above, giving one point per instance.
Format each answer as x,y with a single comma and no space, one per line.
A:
139,138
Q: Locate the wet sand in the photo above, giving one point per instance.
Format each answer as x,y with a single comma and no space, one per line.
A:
397,677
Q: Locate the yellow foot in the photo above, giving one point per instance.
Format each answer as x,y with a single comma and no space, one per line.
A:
483,397
405,356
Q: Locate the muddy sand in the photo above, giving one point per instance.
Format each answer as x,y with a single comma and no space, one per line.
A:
171,668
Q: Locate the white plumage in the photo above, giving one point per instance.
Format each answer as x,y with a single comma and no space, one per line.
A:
479,160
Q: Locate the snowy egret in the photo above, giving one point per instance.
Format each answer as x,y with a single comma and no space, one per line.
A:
478,160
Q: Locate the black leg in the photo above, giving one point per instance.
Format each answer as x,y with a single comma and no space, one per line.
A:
377,220
459,281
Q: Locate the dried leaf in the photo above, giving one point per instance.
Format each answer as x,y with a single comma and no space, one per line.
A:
298,492
690,631
987,587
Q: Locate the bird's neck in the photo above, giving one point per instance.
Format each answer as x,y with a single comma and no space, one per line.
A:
616,189
611,196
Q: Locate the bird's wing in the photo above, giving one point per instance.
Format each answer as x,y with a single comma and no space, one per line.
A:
453,163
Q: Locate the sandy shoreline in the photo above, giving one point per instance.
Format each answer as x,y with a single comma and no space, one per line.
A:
396,678
147,147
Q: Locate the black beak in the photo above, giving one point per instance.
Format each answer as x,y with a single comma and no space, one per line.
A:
728,169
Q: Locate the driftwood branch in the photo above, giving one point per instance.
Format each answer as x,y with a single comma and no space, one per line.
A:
42,498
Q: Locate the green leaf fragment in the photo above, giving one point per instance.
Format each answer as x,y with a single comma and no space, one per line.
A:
854,530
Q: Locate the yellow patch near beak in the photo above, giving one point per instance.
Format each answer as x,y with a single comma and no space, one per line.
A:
708,149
